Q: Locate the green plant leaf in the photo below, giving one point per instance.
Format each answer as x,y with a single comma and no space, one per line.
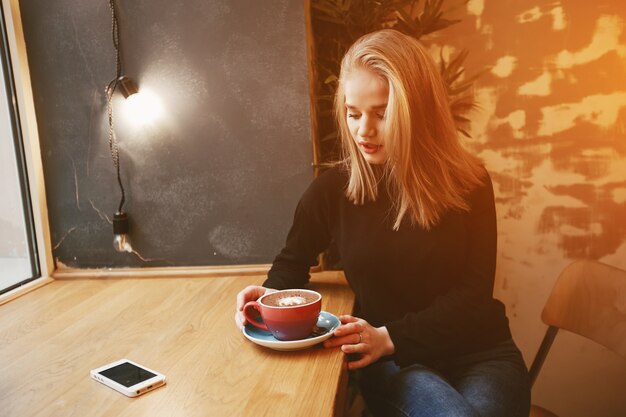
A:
440,24
331,79
465,133
462,103
461,119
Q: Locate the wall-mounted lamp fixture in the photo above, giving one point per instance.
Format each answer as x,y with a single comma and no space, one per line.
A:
121,226
128,86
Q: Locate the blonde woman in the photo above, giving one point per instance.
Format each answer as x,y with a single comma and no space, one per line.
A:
413,216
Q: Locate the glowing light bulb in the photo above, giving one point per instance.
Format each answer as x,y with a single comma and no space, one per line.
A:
142,108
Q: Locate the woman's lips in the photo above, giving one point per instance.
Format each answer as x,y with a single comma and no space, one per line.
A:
369,148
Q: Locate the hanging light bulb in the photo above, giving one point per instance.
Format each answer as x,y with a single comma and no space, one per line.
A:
142,109
121,240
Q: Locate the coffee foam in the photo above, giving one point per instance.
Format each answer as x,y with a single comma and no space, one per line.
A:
291,298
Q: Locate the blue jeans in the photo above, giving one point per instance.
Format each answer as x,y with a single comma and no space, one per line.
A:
491,383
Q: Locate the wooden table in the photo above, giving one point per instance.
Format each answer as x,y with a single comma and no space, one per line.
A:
183,327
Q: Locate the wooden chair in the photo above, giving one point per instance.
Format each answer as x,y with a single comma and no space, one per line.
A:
589,299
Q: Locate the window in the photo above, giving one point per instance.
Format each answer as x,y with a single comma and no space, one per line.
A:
18,248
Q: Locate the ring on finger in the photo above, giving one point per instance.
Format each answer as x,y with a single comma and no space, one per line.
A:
360,337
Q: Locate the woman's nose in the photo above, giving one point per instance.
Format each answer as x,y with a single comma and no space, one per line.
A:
366,127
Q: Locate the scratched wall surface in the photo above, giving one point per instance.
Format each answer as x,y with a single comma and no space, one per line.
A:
551,129
214,179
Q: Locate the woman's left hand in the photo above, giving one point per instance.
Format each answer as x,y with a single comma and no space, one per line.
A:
356,335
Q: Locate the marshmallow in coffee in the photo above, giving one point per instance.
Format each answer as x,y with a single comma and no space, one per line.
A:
292,300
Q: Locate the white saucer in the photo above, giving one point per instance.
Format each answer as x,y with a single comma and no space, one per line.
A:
326,324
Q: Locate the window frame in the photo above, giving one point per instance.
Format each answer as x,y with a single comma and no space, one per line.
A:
17,79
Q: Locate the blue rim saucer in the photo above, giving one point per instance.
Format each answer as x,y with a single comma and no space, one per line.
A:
326,324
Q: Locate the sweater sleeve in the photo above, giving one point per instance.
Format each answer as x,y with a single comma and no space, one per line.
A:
308,237
457,318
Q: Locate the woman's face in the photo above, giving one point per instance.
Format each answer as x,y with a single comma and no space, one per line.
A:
366,102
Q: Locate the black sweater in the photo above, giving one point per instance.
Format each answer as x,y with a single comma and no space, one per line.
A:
431,289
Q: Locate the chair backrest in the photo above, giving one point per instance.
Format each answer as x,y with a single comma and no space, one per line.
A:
589,299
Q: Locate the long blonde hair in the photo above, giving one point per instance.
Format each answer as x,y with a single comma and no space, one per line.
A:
428,170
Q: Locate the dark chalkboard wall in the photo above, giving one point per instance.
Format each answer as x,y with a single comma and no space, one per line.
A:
215,179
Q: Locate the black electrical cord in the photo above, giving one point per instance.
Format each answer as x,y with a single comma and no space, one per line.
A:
113,147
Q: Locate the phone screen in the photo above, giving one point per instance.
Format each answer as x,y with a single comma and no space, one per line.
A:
127,374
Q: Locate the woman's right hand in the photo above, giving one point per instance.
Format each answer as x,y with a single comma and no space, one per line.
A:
250,293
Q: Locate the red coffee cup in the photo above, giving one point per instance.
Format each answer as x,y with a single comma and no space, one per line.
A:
287,314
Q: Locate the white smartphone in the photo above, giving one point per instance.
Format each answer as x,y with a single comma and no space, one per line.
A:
128,377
